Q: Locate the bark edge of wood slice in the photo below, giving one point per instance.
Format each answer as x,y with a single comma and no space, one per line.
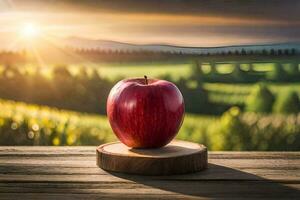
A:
178,157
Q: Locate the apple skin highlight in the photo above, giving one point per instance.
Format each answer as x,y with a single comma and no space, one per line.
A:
145,113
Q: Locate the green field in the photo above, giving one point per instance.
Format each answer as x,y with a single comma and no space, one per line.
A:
22,123
115,71
236,94
175,70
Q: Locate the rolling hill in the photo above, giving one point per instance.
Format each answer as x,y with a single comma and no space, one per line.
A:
82,43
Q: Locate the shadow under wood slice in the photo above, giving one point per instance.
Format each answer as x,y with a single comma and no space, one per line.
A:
178,157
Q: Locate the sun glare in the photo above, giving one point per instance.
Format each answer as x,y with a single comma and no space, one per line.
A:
30,30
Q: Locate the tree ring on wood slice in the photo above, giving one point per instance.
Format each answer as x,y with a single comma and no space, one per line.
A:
178,157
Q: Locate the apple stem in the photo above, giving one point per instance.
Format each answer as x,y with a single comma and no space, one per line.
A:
146,80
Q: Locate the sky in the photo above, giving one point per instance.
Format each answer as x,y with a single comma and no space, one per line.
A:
178,22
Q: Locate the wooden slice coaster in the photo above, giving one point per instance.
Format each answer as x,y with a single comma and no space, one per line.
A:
178,157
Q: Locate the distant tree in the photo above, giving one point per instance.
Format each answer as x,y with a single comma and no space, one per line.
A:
251,67
264,52
196,99
277,74
279,52
260,100
196,73
243,52
213,68
82,74
257,52
13,84
293,68
39,89
293,51
286,52
81,90
287,102
231,133
98,89
63,84
238,74
272,52
293,73
61,70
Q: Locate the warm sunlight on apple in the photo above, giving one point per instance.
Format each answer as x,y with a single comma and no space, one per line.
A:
30,30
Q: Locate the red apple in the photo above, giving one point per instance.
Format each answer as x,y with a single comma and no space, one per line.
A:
145,113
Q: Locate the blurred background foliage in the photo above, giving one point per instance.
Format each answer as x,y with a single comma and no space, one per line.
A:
25,124
232,105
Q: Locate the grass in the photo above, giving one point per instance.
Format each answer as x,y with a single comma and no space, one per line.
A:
27,124
175,70
24,124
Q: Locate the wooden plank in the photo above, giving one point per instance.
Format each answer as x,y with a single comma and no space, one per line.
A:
71,173
211,189
88,162
213,168
46,151
73,161
213,173
102,196
272,169
274,176
7,149
90,151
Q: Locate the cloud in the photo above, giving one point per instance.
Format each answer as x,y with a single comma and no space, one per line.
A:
183,22
207,35
287,10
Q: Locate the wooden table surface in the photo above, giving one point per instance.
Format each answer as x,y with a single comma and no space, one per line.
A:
71,173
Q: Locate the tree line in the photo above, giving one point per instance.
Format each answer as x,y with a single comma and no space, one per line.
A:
140,55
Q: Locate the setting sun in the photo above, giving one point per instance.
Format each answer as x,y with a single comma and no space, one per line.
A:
30,30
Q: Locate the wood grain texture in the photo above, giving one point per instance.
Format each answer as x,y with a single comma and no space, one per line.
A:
72,173
178,157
